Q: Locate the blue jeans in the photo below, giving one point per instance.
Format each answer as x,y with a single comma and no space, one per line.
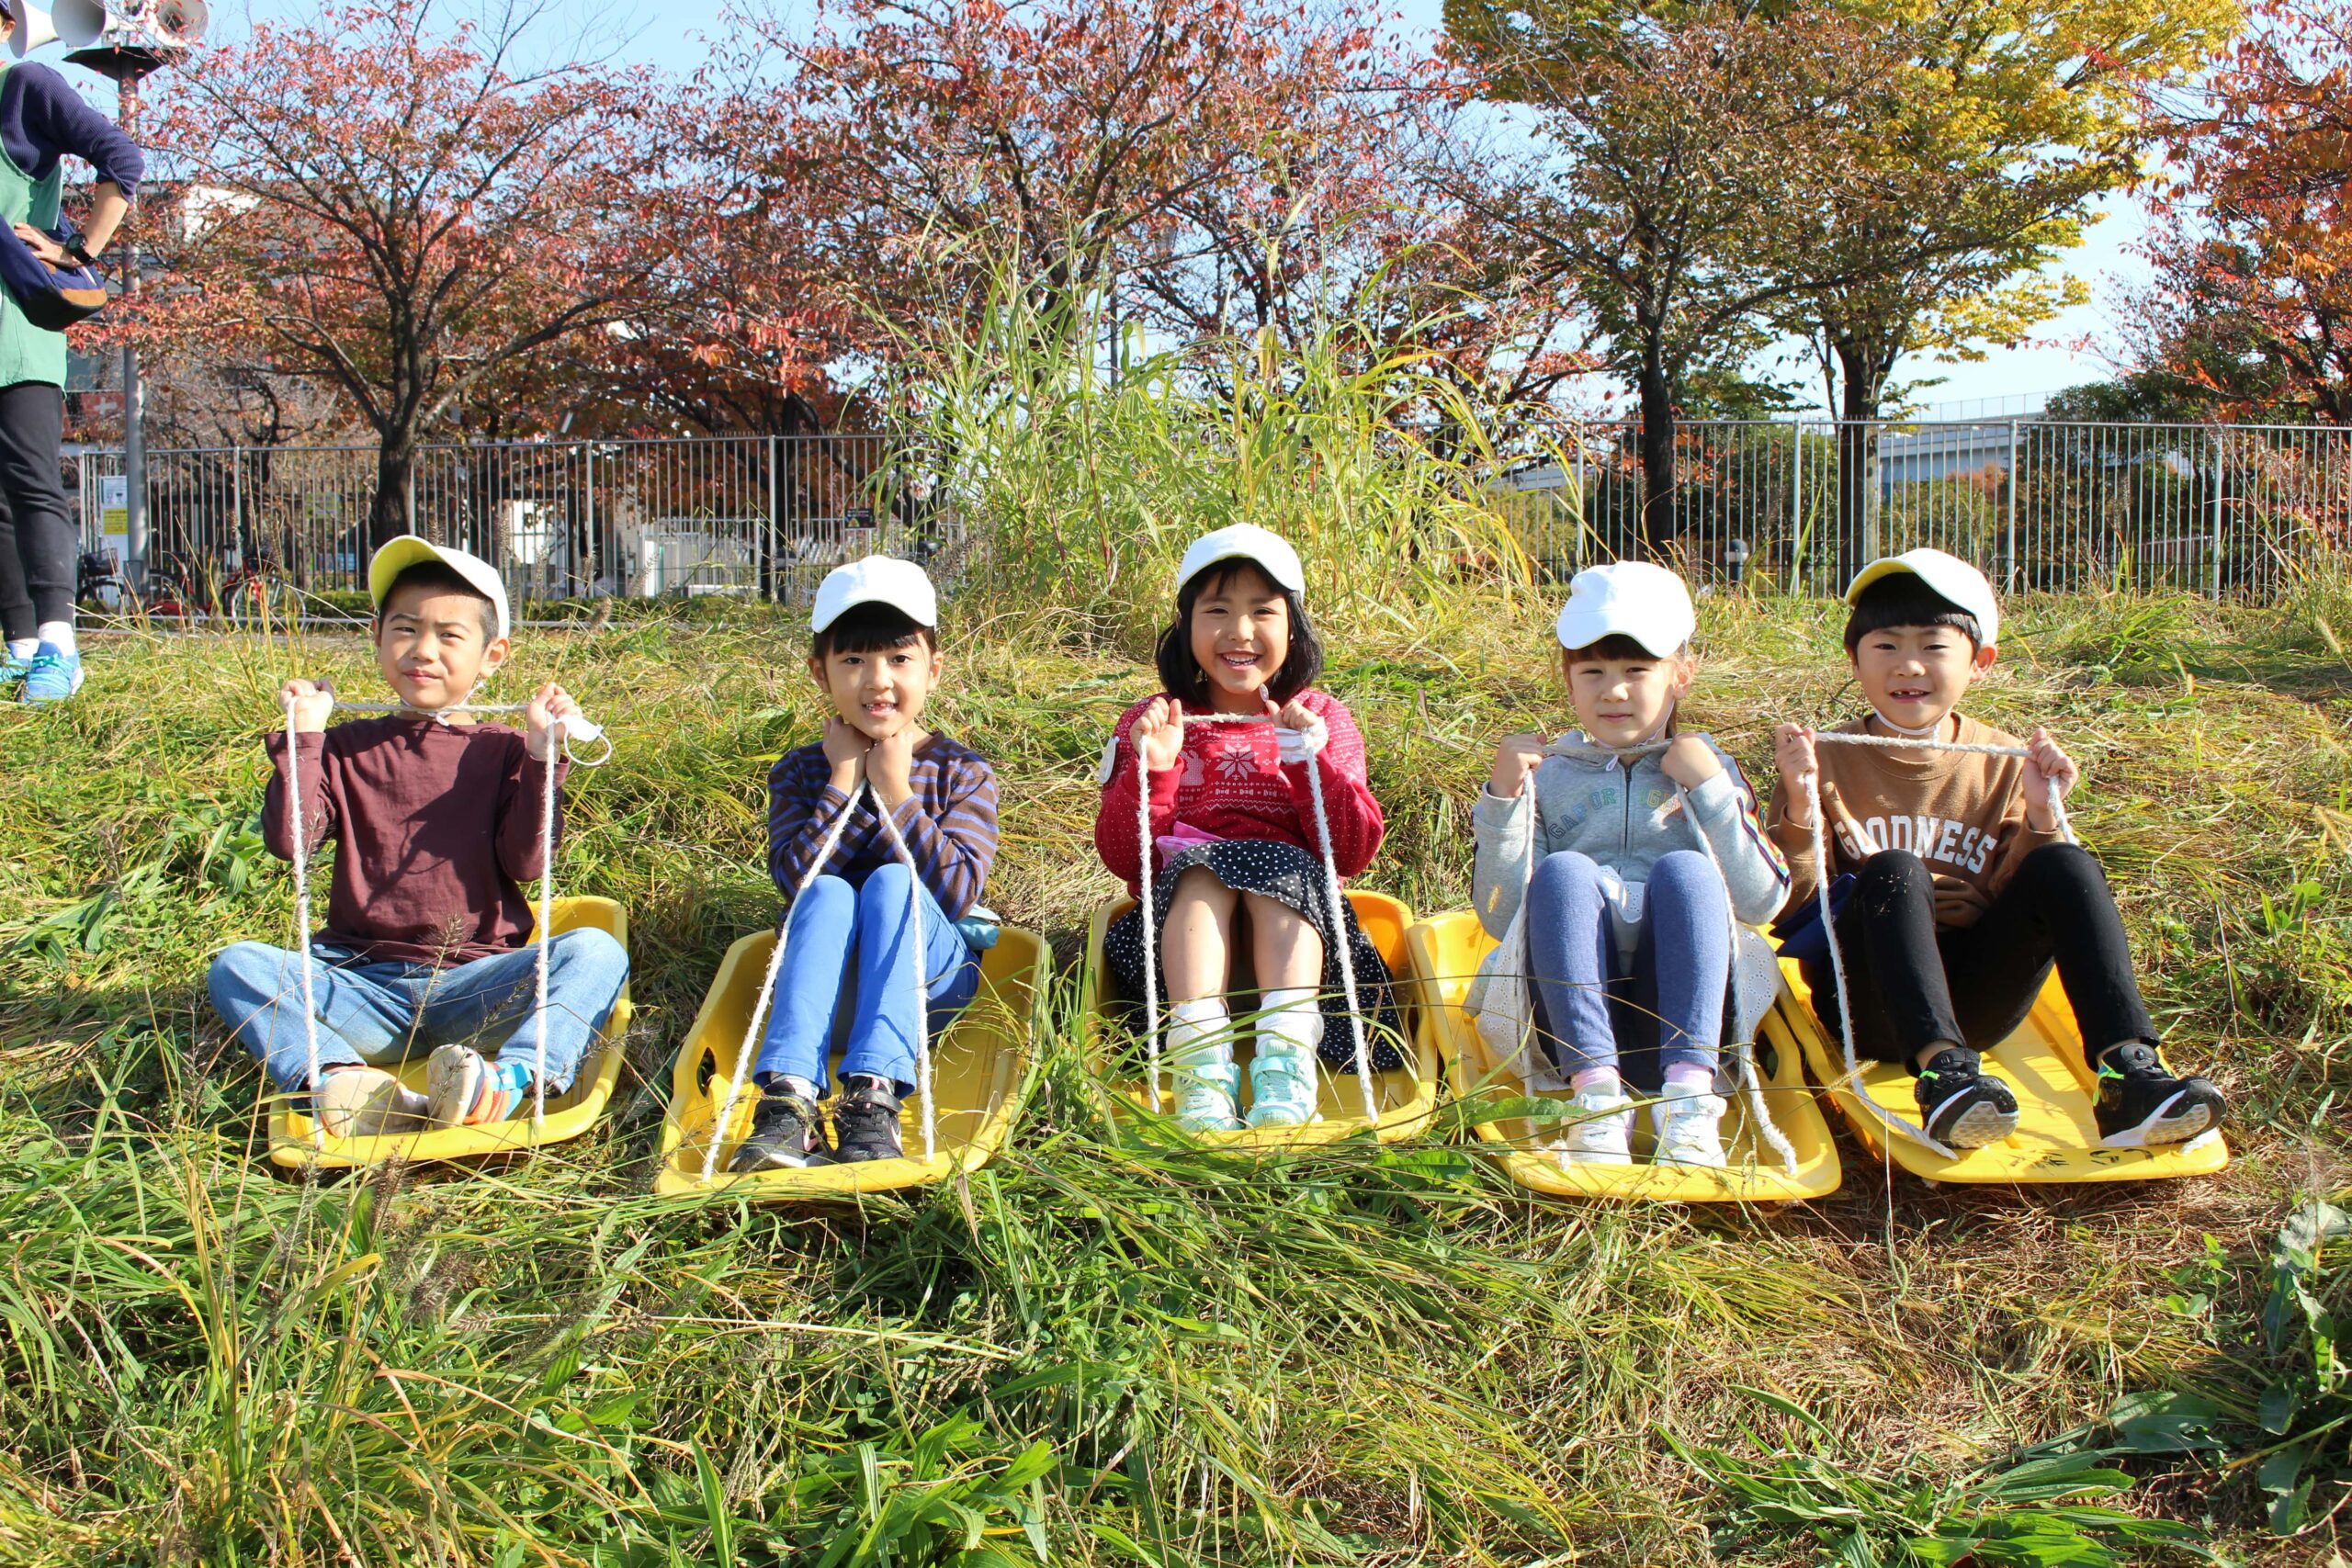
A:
1668,1010
383,1014
849,978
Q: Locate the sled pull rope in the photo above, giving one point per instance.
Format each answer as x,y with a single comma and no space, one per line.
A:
560,732
1335,901
1811,780
759,1005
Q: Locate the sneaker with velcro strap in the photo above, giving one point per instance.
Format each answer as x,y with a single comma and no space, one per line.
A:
1598,1130
2142,1104
787,1133
1960,1106
865,1121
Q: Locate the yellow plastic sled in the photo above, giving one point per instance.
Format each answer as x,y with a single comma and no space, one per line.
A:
2043,1063
294,1139
1404,1100
1446,952
980,1073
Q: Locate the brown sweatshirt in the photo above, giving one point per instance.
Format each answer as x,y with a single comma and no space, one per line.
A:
1960,812
436,827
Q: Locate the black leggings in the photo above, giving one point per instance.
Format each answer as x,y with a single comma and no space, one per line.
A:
1913,984
38,537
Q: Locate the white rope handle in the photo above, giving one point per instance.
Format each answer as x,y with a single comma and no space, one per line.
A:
1812,781
560,731
1335,905
752,1036
301,847
1743,1051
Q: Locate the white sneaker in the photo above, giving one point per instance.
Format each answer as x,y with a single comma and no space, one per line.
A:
1599,1130
368,1102
1688,1128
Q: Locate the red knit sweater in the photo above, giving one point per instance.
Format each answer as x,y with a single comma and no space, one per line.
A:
1230,784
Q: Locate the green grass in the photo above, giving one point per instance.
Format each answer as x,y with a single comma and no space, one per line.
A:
1096,1353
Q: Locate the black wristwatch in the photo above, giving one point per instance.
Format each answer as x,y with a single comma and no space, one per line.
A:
80,252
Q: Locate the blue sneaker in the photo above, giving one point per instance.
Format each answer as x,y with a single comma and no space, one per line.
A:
53,676
12,667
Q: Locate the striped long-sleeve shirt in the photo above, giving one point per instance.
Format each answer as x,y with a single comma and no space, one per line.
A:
949,822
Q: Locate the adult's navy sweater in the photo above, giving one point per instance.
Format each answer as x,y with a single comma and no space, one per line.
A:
42,119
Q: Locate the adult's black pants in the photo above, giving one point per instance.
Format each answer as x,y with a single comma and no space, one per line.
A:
1913,984
37,532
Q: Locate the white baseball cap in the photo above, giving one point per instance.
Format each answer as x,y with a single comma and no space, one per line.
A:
386,566
875,579
1244,541
1951,578
1628,598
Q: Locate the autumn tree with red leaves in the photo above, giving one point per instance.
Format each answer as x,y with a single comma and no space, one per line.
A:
2251,307
403,209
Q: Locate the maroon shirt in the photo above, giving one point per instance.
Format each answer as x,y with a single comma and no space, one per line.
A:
438,827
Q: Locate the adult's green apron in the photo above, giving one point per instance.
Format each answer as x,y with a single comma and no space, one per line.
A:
29,353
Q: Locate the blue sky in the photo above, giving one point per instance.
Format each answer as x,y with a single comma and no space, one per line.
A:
668,33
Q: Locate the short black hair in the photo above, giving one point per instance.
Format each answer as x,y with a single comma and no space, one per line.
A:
1904,599
440,576
1619,645
1181,675
871,628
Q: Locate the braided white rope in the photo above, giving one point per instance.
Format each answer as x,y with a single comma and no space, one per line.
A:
1811,780
1743,1051
559,733
300,842
752,1036
1334,898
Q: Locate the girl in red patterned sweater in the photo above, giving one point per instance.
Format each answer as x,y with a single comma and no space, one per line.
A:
1236,854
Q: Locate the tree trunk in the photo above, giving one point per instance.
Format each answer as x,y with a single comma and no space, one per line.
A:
1657,534
1863,370
393,512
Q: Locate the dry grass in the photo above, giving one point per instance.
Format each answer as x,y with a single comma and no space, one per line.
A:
1357,1356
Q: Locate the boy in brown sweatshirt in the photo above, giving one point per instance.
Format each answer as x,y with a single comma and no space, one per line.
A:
1964,888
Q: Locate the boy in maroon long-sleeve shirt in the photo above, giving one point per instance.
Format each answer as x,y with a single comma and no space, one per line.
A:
436,820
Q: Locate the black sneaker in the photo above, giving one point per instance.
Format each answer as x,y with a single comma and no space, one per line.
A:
2141,1104
865,1120
786,1134
1960,1107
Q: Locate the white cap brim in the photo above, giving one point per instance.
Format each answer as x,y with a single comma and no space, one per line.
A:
397,555
1244,541
1951,578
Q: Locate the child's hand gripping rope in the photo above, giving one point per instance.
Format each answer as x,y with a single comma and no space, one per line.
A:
554,720
2048,773
1158,738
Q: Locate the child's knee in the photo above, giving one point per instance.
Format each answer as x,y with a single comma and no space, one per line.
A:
825,895
2070,867
1894,873
244,974
593,949
1685,874
1570,875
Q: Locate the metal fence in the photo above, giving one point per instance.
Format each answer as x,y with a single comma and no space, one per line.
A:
2225,511
762,516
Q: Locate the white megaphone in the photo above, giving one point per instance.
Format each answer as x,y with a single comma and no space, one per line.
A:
28,28
80,23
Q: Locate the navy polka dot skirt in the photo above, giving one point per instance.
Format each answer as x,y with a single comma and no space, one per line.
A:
1293,877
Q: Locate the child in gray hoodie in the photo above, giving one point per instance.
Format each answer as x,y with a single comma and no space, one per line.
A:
1614,882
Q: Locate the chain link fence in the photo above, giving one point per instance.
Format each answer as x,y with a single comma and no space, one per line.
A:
1786,505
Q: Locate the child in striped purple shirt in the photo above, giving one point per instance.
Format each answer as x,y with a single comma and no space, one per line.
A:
850,967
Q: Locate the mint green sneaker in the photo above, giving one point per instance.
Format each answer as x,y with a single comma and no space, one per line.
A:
13,666
1282,1083
1206,1082
53,676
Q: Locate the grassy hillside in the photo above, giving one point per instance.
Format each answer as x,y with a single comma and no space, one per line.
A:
1096,1353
